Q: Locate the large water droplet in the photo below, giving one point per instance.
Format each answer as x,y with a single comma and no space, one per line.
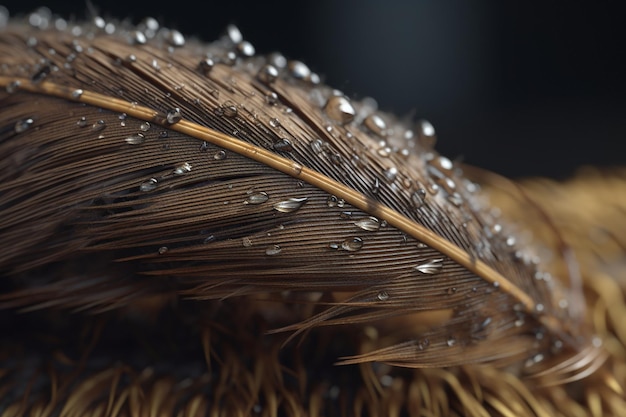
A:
137,37
257,198
273,250
23,125
220,155
298,70
182,169
267,74
234,34
173,116
229,109
376,125
245,48
149,185
352,244
430,267
206,65
370,224
339,109
136,139
290,205
175,38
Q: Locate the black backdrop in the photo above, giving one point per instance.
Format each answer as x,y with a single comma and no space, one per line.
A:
522,88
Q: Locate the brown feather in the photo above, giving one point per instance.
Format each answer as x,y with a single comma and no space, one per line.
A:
266,191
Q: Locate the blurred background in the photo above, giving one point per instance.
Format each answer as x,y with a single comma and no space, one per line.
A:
521,88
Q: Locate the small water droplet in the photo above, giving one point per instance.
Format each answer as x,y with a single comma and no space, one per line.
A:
384,151
23,125
163,134
13,86
539,308
257,198
375,187
298,70
274,122
206,65
229,109
182,169
77,93
99,125
390,174
149,185
246,242
155,65
173,116
423,344
451,341
42,70
352,244
333,201
273,250
82,122
430,267
290,205
245,48
339,109
426,133
162,250
144,127
382,296
376,125
234,34
283,145
418,198
137,37
271,98
136,139
175,38
220,155
267,74
369,224
451,290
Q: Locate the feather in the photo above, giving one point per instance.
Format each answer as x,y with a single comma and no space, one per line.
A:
139,172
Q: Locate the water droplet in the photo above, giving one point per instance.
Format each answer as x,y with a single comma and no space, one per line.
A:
182,169
426,133
539,308
283,145
220,155
290,205
273,250
298,70
82,122
245,48
418,198
155,65
376,125
430,267
257,198
267,74
271,98
246,242
175,38
77,93
382,296
352,244
144,127
333,201
390,174
137,37
163,134
13,86
234,34
274,122
376,186
451,341
99,125
451,290
23,125
173,116
384,151
369,224
510,241
339,109
42,71
136,139
149,185
162,250
423,344
206,65
229,109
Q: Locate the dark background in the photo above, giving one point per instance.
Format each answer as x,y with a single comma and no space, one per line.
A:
522,88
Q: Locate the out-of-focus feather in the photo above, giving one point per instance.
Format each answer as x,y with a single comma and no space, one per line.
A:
138,172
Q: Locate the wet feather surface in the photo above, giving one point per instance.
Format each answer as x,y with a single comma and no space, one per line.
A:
145,173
